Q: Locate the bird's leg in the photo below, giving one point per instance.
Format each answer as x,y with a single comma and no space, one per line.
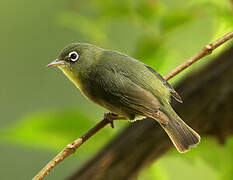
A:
111,117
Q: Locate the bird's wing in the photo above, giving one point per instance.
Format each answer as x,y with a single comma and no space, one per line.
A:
126,93
171,89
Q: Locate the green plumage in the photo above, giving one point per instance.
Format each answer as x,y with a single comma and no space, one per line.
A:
126,87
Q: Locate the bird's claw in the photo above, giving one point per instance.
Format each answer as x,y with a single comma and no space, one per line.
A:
111,117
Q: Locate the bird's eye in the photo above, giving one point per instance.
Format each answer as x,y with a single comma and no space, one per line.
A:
73,56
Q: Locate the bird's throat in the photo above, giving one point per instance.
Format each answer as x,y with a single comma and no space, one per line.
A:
72,77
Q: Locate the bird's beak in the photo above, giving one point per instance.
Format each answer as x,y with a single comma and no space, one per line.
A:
56,62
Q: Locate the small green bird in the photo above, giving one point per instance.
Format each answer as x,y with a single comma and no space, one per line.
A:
126,87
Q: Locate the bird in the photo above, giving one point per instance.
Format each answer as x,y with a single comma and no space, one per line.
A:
126,87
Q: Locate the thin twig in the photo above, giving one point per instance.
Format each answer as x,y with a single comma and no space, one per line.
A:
71,148
207,50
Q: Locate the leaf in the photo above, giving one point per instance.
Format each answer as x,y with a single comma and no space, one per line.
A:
54,130
209,159
155,171
92,29
177,168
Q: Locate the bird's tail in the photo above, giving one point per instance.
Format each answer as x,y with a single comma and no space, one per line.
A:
182,136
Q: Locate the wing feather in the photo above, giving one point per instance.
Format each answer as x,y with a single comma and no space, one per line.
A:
171,89
126,94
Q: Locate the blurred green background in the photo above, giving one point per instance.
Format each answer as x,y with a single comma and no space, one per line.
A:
41,111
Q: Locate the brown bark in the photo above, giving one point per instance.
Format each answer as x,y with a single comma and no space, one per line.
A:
207,108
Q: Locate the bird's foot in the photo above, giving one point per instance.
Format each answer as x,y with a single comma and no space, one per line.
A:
111,117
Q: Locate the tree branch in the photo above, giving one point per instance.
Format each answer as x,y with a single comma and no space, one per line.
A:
207,50
71,148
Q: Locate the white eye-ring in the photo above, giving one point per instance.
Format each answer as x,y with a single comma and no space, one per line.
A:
73,56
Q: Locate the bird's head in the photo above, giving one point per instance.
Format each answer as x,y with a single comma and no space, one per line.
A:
76,59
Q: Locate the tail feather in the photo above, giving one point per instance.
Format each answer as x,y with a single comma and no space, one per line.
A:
182,136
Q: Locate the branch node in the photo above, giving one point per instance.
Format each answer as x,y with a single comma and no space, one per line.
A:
208,49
